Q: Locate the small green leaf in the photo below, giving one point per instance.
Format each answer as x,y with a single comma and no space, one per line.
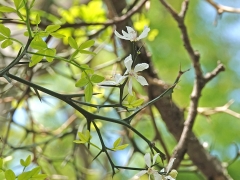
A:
18,4
6,43
2,38
117,142
6,9
28,161
39,177
5,30
72,42
50,52
37,19
88,92
1,163
82,82
9,175
22,162
52,28
121,147
38,44
87,52
36,58
35,170
82,137
86,44
79,142
137,102
57,35
97,78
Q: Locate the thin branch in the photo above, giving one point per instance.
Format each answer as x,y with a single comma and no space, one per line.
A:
221,8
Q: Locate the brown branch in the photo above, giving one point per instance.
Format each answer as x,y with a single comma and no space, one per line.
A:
221,8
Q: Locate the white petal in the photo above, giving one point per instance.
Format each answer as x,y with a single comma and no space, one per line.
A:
169,166
144,33
126,35
141,67
128,63
155,157
119,78
120,36
142,80
107,83
130,86
132,33
169,178
147,158
157,176
139,174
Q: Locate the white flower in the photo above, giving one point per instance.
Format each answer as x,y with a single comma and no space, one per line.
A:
169,175
133,73
118,78
164,173
150,171
131,35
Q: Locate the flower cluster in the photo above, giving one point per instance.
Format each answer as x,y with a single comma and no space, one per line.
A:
131,73
164,174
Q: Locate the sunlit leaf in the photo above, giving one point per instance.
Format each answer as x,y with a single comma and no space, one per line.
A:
38,44
5,30
37,20
97,78
28,161
1,163
50,52
117,142
57,35
9,175
6,9
88,92
18,4
36,58
52,28
121,147
82,137
6,43
2,37
72,42
82,82
86,44
86,52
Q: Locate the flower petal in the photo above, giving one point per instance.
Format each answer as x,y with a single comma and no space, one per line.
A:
132,33
157,176
169,166
130,86
139,174
155,157
120,36
147,158
144,33
128,63
119,78
141,67
142,80
107,83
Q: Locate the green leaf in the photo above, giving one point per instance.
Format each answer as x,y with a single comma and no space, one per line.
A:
18,4
86,44
117,142
82,82
121,147
38,44
50,52
6,43
72,43
35,170
37,19
2,37
5,30
87,52
88,92
39,177
36,58
57,35
25,175
9,175
28,161
52,28
97,78
22,162
82,137
79,142
1,163
137,102
6,9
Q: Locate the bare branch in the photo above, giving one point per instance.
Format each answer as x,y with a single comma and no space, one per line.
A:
221,8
